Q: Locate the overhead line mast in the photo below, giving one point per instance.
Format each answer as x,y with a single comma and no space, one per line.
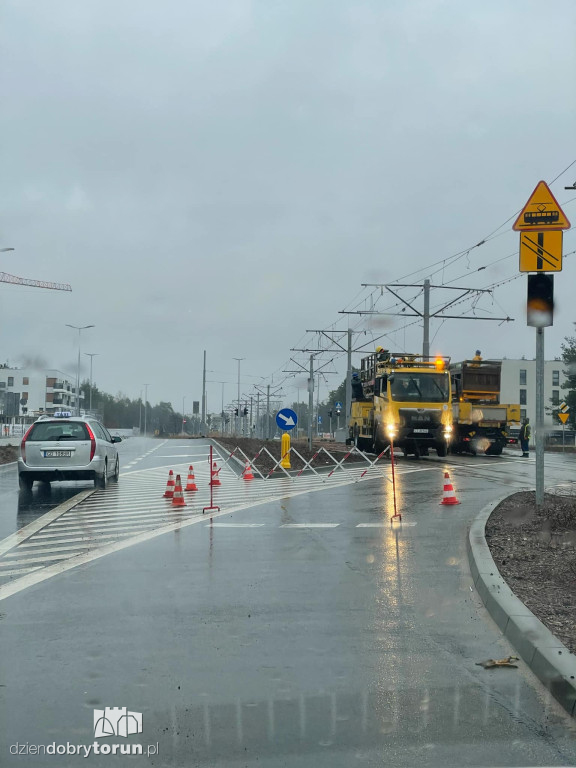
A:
425,314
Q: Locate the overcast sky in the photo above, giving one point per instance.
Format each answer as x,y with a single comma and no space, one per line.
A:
224,174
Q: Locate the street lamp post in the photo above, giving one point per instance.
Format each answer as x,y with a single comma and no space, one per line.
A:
239,416
91,355
78,328
145,408
183,416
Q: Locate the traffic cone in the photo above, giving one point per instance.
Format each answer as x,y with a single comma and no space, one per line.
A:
191,484
214,479
178,498
449,496
169,493
248,474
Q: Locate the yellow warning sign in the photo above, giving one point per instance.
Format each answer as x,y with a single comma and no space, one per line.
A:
541,251
563,417
541,212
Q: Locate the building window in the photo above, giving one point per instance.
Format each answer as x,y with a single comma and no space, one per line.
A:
523,400
522,414
555,378
555,397
25,380
10,381
523,377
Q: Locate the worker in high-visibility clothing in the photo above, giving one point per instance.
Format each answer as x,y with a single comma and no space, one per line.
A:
477,358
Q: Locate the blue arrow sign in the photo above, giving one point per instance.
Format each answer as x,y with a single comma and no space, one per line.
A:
319,419
286,418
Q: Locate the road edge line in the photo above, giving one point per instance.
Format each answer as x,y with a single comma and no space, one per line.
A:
24,533
549,659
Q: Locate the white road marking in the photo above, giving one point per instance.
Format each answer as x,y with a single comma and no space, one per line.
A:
235,525
35,559
134,511
20,571
389,524
24,533
310,525
52,538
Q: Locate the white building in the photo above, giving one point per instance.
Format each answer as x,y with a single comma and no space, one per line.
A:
518,385
31,392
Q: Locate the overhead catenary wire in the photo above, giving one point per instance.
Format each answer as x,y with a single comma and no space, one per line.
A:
441,265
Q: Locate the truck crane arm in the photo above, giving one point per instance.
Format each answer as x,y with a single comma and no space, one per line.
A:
6,278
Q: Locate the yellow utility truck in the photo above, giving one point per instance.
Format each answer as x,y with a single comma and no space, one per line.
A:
404,399
481,421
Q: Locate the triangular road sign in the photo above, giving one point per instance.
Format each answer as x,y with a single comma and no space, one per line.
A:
563,417
541,212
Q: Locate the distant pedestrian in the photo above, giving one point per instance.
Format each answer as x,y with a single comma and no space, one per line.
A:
524,437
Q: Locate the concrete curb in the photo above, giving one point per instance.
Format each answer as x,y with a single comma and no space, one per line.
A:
544,654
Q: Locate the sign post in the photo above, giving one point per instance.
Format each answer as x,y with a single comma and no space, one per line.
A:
540,224
338,409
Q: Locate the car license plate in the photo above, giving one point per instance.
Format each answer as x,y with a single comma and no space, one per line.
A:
57,454
422,431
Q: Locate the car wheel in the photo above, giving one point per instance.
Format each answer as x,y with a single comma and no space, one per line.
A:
25,482
101,481
441,450
116,474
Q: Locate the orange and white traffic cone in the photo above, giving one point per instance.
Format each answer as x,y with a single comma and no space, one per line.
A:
169,493
248,474
449,496
214,479
191,484
178,498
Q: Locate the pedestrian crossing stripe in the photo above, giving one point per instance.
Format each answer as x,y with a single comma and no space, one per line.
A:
132,511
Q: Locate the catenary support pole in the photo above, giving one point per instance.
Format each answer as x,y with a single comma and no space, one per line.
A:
348,403
203,427
426,320
310,402
539,416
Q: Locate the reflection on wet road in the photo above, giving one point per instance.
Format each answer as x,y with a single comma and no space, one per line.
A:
306,631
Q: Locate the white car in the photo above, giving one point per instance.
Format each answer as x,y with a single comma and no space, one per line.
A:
65,447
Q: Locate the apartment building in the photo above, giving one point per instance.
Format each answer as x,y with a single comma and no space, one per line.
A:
29,392
518,385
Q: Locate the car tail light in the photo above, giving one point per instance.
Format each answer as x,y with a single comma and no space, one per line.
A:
23,444
92,441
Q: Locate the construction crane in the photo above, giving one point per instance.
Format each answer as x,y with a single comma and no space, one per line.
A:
6,278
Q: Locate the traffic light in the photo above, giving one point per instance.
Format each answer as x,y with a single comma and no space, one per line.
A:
330,414
540,304
245,411
235,411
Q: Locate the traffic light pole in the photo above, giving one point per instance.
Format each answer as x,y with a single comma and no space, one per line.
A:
539,416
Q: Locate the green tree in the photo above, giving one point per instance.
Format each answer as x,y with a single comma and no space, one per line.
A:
569,360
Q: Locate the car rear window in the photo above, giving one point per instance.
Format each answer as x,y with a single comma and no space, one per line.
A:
60,430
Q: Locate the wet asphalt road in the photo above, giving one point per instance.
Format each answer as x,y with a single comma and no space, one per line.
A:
274,645
17,510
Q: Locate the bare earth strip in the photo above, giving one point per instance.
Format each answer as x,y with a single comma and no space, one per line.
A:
535,552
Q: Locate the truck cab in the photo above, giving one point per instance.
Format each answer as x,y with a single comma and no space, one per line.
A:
406,401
